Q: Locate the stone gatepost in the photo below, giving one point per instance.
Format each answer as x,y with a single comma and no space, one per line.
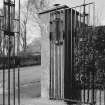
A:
45,55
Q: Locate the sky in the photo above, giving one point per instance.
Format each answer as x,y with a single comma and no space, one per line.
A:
99,12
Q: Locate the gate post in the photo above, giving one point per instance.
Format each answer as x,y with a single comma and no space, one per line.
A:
45,56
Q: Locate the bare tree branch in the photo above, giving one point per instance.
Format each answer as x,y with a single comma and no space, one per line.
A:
29,13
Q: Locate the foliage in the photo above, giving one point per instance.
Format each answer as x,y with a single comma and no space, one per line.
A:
90,52
99,41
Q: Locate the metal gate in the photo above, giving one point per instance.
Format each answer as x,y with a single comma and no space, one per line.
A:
72,65
9,54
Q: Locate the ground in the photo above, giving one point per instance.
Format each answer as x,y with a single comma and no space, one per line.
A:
31,89
30,83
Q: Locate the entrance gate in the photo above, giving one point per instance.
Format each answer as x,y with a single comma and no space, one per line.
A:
72,68
9,54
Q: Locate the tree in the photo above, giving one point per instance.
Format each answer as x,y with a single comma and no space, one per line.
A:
29,16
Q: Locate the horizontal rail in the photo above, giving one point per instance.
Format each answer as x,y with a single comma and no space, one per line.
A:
64,8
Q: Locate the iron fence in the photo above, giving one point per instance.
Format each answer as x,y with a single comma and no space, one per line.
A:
10,47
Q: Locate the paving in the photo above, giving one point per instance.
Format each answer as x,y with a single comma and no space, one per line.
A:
41,101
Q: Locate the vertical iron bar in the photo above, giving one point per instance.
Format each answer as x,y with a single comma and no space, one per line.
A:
89,39
9,52
14,71
18,85
63,57
3,76
60,59
56,72
54,77
71,45
89,73
4,59
51,57
84,46
93,55
14,58
73,51
59,74
50,93
57,54
53,61
74,41
19,58
60,53
79,47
